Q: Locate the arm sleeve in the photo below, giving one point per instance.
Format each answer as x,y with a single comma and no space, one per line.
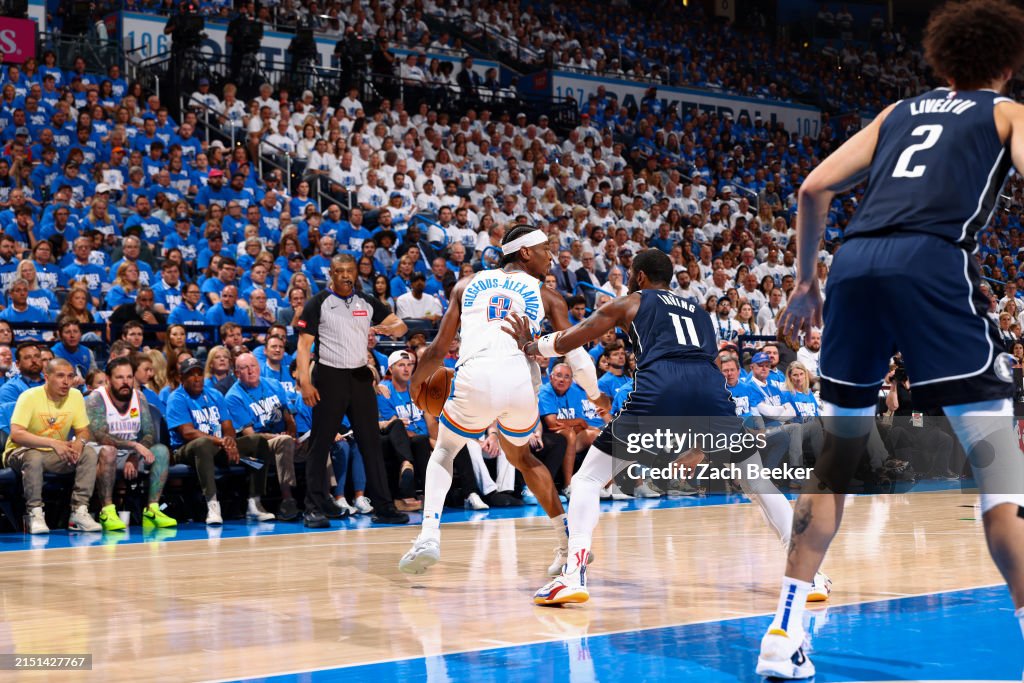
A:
583,371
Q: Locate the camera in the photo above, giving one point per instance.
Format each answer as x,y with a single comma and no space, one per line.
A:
899,373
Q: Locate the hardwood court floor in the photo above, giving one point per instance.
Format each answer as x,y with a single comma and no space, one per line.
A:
229,608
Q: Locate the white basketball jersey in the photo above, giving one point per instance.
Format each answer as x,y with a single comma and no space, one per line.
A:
488,299
123,426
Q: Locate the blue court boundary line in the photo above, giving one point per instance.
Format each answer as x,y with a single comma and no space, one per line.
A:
541,641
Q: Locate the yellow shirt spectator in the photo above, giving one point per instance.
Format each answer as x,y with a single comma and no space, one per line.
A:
40,415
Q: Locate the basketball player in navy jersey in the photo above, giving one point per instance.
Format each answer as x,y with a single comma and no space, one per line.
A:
676,378
906,279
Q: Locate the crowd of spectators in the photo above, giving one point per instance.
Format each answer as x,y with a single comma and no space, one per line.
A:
134,235
656,42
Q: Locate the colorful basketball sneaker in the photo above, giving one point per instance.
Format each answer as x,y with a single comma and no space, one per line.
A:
154,517
570,587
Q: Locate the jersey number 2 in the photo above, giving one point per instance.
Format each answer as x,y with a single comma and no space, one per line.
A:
498,307
931,135
688,336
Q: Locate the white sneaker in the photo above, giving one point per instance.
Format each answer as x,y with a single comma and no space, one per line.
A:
256,513
644,490
363,505
528,497
821,588
566,588
561,557
342,504
35,522
619,494
475,502
606,493
213,513
81,520
782,656
425,553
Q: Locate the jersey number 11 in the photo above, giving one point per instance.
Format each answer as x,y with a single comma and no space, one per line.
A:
688,336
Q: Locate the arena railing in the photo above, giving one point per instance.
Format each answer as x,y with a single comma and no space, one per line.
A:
211,333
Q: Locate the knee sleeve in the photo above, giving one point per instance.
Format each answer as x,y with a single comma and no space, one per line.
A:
447,447
987,432
774,506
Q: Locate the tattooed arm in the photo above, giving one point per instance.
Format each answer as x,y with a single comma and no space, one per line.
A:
147,433
96,409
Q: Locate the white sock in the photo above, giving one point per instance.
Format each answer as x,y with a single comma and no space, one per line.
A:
789,614
438,479
560,525
1020,618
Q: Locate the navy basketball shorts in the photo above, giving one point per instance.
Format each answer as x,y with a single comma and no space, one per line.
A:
917,294
685,397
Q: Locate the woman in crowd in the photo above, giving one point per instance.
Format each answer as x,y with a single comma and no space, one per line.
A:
218,366
382,290
745,317
126,285
37,296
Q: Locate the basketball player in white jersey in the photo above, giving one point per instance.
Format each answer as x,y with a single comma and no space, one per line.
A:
122,426
494,380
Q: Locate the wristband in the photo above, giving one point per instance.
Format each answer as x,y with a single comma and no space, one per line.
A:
546,345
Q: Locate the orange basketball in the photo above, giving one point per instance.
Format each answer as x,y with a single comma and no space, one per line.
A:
435,391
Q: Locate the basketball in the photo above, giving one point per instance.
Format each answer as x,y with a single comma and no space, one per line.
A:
435,391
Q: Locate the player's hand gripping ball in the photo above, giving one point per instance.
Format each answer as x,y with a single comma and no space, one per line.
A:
434,392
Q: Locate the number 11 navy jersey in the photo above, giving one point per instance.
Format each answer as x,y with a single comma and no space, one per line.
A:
668,327
938,168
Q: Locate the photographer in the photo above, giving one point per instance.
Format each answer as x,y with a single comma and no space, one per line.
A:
911,436
237,31
186,31
382,65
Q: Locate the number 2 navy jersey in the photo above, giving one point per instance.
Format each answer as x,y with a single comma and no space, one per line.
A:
667,327
938,168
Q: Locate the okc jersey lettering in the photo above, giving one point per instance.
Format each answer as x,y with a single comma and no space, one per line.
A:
531,298
487,300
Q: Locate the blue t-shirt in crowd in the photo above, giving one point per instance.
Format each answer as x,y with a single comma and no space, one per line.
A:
609,383
571,405
205,412
400,404
260,407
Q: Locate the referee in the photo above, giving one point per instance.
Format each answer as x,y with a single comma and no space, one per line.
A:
338,320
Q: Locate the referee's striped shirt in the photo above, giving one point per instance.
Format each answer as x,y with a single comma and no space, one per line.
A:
341,326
